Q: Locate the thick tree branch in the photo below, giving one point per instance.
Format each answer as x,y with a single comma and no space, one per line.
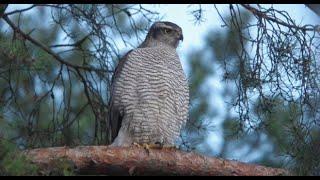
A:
138,161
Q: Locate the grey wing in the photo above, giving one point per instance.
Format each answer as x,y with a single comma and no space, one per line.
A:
114,116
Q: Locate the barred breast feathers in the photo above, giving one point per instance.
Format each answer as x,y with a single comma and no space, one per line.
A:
150,93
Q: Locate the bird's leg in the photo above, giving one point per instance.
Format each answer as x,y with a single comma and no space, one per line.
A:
159,145
169,147
156,145
136,144
144,146
147,146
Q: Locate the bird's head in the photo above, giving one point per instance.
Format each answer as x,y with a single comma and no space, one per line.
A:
164,32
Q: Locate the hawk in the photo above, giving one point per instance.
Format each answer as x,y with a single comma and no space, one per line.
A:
149,93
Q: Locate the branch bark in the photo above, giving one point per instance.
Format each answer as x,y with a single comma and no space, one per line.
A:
138,161
275,20
3,8
45,48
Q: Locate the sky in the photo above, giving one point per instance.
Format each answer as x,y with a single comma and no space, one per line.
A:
194,35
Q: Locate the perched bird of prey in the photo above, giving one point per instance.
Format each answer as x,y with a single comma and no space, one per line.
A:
149,94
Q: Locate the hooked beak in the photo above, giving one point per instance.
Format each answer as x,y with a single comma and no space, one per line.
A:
181,37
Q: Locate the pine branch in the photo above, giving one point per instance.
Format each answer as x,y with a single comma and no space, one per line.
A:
275,20
45,48
137,161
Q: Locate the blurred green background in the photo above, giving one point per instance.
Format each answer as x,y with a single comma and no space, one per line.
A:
233,114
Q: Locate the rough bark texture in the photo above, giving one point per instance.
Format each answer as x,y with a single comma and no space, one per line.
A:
138,161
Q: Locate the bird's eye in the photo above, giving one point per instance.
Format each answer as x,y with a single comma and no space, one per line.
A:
167,31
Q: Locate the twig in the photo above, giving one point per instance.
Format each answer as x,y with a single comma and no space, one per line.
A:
265,16
19,10
46,49
3,8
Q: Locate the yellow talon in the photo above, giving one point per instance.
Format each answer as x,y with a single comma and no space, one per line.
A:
147,146
136,144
